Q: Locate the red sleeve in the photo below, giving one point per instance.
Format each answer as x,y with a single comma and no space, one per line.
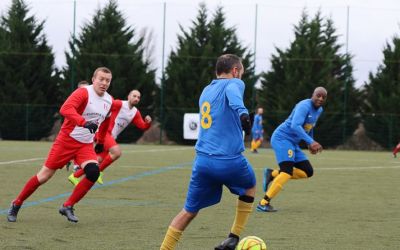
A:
74,106
139,122
109,121
101,134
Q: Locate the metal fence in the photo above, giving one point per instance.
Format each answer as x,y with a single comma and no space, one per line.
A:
24,122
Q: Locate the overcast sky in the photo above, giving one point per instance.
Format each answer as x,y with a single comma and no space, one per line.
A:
372,23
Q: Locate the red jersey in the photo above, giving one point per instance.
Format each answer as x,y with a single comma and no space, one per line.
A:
82,106
122,116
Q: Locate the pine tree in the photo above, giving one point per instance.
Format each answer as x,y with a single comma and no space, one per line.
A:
312,59
29,83
192,66
382,96
108,41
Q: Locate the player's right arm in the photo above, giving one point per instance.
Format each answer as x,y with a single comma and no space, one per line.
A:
74,105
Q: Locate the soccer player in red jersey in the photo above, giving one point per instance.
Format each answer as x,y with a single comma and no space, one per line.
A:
123,113
84,110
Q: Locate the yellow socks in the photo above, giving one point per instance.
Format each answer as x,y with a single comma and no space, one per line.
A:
276,186
243,210
257,144
171,239
253,145
299,174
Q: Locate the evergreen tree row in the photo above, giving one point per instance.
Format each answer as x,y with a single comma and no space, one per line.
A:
32,88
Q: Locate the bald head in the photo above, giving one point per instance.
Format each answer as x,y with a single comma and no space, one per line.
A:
319,96
134,97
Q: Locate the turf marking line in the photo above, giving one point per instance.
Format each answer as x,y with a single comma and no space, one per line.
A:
125,151
18,161
106,184
159,150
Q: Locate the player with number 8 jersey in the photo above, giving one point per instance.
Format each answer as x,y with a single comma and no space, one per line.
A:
219,161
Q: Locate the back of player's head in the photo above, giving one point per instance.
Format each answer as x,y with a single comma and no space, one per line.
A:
226,63
102,69
82,84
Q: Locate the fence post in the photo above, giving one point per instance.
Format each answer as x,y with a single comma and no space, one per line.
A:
26,121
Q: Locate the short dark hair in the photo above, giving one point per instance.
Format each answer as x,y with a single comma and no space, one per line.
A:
227,62
102,69
82,83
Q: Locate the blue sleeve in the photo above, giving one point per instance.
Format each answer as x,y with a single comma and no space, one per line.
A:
298,119
234,93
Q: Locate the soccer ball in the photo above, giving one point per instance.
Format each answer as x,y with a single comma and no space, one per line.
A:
251,243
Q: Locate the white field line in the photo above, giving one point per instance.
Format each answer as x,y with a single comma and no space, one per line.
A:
359,168
316,169
124,151
350,168
19,161
158,150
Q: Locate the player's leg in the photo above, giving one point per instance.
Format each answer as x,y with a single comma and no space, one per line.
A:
111,153
253,145
91,170
176,228
285,155
85,157
57,157
268,176
396,150
202,192
253,142
243,183
302,169
30,187
258,140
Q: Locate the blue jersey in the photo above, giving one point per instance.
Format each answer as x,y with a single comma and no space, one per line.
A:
300,124
257,124
221,104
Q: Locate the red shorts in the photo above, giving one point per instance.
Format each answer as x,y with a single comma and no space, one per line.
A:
109,142
65,149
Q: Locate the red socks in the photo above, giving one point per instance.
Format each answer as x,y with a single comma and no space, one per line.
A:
29,188
105,163
79,191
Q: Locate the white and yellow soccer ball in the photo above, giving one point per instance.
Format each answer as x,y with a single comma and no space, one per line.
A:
251,243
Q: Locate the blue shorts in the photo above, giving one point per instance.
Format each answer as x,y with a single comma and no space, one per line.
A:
286,150
256,135
209,174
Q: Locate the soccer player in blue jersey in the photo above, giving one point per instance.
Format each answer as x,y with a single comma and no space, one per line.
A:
293,163
257,131
219,160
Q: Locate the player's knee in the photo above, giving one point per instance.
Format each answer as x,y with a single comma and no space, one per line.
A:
306,167
286,167
309,172
246,198
115,153
92,171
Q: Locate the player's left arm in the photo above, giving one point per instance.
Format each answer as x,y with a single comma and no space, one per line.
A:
234,94
140,123
101,134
